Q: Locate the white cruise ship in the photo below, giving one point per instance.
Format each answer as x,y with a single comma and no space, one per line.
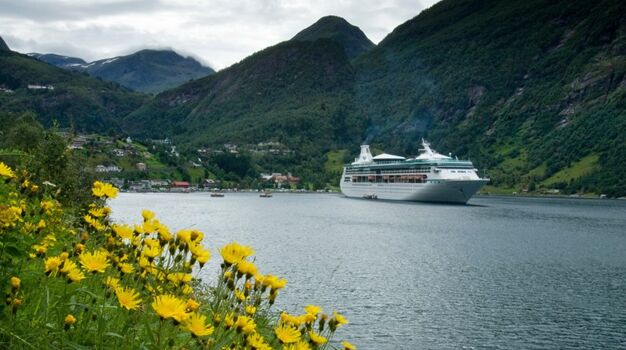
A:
429,177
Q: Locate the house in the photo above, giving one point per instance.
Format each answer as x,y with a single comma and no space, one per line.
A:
179,186
139,186
210,183
280,179
78,142
293,180
118,152
141,166
159,183
107,169
40,87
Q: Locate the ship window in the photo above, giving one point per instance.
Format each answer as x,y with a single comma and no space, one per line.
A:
346,179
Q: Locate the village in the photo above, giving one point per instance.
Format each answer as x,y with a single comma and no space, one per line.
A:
158,166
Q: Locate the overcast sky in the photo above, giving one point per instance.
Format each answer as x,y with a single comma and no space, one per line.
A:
218,32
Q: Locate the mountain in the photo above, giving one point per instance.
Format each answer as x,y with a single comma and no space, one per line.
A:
3,45
72,99
350,37
533,91
149,71
59,60
296,92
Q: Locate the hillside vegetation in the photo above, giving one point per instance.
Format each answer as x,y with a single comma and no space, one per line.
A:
69,98
526,83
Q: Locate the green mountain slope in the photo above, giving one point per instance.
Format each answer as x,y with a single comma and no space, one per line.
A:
525,88
294,92
70,98
350,37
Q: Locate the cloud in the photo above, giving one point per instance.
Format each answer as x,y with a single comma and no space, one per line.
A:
221,32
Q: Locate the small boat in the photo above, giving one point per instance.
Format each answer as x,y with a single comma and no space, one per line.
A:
266,195
217,194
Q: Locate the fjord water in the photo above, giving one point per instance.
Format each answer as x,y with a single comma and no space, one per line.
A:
500,273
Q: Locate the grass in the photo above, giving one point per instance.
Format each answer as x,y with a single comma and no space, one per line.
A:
335,160
578,169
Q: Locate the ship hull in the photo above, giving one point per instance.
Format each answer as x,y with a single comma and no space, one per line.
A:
444,191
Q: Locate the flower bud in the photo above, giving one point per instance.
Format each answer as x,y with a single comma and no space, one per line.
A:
15,283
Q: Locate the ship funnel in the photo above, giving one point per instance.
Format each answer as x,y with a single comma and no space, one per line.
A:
365,156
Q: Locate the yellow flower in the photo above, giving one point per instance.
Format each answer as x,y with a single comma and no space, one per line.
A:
151,250
169,306
274,282
69,320
348,346
229,320
52,264
250,310
94,262
150,226
339,319
307,318
75,275
292,320
192,305
201,254
128,298
93,222
164,233
5,171
103,189
287,334
233,253
123,231
247,268
187,289
15,282
301,345
317,338
313,309
99,212
256,341
245,324
240,296
147,214
179,277
48,205
126,268
196,324
9,216
112,282
68,265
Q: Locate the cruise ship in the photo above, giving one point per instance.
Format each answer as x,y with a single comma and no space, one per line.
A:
429,177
